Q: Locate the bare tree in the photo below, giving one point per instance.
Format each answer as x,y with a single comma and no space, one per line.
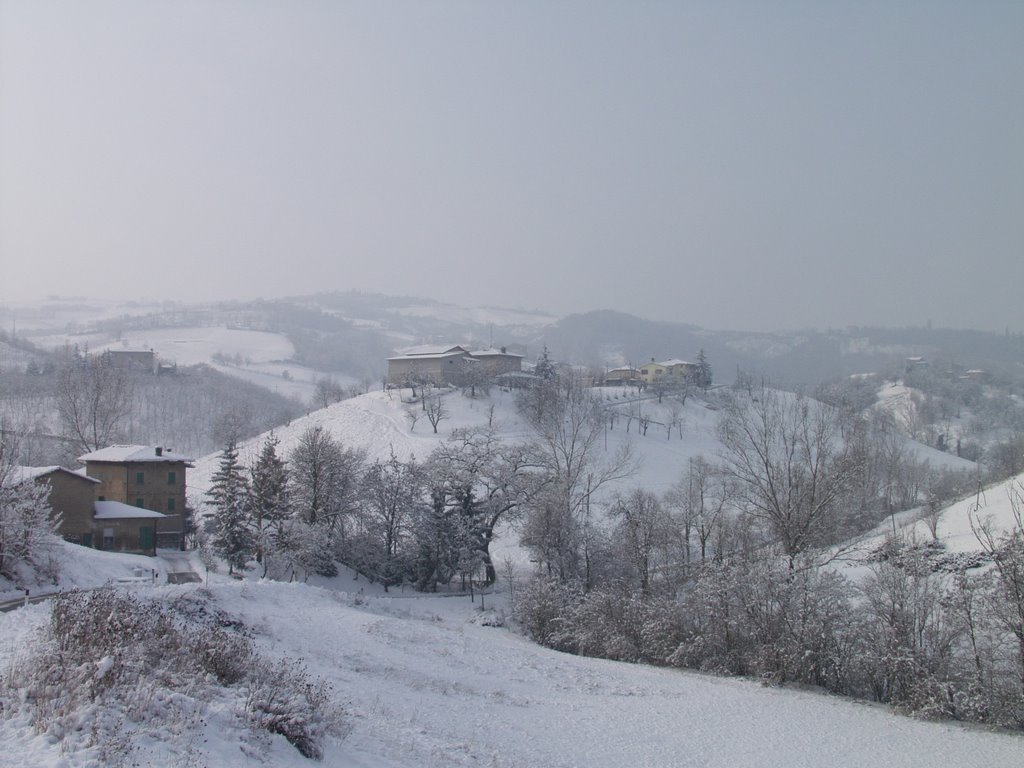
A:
412,415
392,492
1006,550
435,410
94,397
701,496
328,392
569,431
486,481
642,529
789,461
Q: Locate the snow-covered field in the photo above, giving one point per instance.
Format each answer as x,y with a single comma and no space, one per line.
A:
186,346
84,568
425,682
286,378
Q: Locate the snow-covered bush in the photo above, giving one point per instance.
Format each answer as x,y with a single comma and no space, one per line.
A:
283,699
28,524
114,668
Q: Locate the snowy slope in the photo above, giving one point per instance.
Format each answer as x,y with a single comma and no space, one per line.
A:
991,506
377,423
426,684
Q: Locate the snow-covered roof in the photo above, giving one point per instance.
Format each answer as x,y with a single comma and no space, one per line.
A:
427,350
21,474
675,361
493,353
517,375
115,510
122,454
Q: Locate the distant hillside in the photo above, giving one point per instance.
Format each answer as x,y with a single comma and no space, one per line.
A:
350,334
799,358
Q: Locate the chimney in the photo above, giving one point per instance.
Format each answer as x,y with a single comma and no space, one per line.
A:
159,451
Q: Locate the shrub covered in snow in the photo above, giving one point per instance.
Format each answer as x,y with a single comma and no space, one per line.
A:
110,668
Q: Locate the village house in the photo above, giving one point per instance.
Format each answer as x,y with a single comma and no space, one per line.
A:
627,376
72,495
674,371
128,498
498,361
138,477
133,359
441,366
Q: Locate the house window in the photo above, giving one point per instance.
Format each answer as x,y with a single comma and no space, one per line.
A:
140,502
101,498
644,371
170,504
140,478
172,478
108,538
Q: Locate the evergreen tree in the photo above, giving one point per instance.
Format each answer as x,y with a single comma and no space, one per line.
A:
703,378
545,368
229,494
436,533
269,500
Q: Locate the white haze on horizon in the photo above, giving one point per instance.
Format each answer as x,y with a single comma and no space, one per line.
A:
720,164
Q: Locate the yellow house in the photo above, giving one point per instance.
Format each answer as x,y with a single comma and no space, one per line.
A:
651,371
673,370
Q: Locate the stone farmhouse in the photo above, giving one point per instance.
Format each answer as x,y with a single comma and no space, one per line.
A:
449,365
128,498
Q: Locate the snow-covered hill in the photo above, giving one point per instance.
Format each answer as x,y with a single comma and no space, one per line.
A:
377,423
425,682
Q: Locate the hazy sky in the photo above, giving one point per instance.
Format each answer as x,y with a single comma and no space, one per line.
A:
729,164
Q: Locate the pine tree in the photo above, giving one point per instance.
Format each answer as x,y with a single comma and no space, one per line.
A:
229,494
545,368
703,378
269,501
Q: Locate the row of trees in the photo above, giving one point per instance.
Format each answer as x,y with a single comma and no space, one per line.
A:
391,520
730,571
939,643
80,402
